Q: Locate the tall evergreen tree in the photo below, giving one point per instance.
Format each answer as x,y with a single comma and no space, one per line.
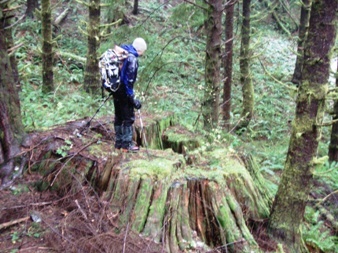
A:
10,45
244,63
135,8
47,47
302,31
11,127
32,5
292,195
213,27
227,62
91,75
333,147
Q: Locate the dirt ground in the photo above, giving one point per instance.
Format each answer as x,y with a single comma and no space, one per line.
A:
36,218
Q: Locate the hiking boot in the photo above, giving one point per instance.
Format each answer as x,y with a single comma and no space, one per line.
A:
118,137
131,149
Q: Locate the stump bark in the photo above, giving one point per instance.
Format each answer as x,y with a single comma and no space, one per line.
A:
204,203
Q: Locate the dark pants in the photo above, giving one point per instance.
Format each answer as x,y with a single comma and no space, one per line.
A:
124,120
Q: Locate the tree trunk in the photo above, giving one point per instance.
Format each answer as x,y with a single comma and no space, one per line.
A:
91,75
31,6
135,9
303,28
213,26
333,147
245,75
10,45
229,37
289,205
47,47
11,127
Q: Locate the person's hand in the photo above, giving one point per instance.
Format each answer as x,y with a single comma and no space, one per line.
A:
137,104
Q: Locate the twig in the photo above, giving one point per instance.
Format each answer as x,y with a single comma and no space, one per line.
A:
330,123
125,238
13,222
275,79
81,210
64,165
327,196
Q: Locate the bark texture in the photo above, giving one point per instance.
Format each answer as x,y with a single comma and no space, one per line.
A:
289,205
245,75
11,46
11,127
302,32
47,47
213,25
181,203
31,6
91,75
333,147
229,38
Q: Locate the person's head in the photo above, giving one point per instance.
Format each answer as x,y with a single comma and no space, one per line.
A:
140,45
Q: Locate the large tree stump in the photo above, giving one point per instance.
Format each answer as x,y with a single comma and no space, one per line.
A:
202,204
188,206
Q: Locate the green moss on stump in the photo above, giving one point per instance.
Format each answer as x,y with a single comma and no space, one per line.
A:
162,197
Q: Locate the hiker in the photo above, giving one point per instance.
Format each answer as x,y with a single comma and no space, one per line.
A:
124,98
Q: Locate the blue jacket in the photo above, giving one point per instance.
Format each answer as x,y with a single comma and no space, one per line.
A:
129,69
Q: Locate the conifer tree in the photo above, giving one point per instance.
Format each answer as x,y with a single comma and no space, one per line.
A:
302,31
32,5
296,181
227,62
333,147
11,127
47,47
91,75
213,27
244,62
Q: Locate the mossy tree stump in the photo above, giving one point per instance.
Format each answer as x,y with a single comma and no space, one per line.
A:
204,205
184,204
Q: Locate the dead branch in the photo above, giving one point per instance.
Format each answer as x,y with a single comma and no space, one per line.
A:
13,222
81,210
61,17
64,165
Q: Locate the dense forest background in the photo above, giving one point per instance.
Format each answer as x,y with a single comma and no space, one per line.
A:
172,80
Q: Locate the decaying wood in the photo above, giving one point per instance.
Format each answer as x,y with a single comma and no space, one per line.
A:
157,194
13,222
61,17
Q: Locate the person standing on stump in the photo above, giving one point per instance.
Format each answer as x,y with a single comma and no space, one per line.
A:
124,98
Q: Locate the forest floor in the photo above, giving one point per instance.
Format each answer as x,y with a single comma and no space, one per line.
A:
35,216
33,219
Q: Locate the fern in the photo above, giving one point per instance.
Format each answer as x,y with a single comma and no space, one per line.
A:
320,239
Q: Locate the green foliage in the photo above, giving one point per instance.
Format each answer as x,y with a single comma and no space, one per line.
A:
188,16
19,189
15,237
327,172
63,150
316,235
